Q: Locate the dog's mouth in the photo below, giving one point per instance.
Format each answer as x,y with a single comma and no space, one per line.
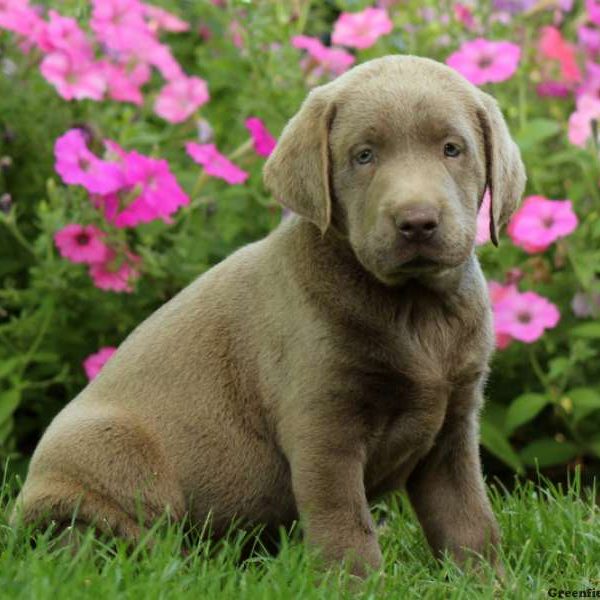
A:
417,265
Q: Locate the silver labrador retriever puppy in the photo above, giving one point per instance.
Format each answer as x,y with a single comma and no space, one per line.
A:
340,358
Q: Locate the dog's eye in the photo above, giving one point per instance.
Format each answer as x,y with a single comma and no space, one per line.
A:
451,150
364,157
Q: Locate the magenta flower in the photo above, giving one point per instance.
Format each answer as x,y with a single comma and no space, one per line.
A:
482,61
81,244
116,274
124,82
483,220
323,60
589,39
215,163
540,222
93,364
592,8
580,121
20,18
119,24
180,98
74,76
149,190
78,166
525,316
362,29
264,142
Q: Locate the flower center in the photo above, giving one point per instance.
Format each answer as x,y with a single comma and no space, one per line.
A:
84,163
484,62
82,239
524,317
548,222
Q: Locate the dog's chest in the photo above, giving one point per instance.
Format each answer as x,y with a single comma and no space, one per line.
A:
420,363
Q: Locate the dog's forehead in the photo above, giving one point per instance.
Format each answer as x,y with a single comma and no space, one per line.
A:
395,96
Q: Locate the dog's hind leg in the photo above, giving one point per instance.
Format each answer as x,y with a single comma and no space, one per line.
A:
100,467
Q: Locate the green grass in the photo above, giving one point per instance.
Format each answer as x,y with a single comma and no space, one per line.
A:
551,539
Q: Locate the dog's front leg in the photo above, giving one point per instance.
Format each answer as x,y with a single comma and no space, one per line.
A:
447,489
327,478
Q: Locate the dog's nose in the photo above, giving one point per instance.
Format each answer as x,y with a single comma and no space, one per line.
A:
419,223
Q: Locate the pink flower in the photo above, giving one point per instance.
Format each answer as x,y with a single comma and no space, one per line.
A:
330,61
20,18
482,61
180,98
580,121
499,292
215,163
525,316
74,76
553,89
591,83
589,39
264,142
552,45
158,18
78,166
64,34
149,190
94,362
464,15
115,274
81,243
362,29
593,11
483,220
119,23
540,222
124,82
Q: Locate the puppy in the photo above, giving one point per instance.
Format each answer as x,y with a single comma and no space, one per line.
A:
339,358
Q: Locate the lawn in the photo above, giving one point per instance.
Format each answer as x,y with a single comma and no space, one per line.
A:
551,542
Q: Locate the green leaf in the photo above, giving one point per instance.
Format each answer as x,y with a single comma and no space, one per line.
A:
8,366
585,401
536,131
9,401
497,443
587,330
547,451
594,446
523,409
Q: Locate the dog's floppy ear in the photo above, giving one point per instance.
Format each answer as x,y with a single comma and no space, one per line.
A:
297,172
505,173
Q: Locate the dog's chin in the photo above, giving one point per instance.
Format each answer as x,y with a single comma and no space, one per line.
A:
419,268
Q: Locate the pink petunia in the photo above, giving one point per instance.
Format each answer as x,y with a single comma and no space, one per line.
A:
497,293
361,29
180,98
124,82
116,273
20,18
158,18
589,40
81,244
215,163
524,316
264,142
540,222
580,121
464,15
592,8
74,76
77,165
323,60
482,61
149,190
63,34
483,220
552,45
93,364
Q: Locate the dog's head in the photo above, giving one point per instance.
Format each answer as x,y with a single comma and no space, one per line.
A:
396,155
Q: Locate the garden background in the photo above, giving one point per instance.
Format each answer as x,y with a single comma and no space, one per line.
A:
131,146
